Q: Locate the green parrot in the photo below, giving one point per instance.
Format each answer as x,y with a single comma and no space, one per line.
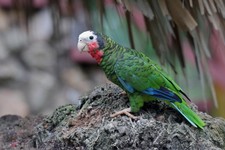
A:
141,78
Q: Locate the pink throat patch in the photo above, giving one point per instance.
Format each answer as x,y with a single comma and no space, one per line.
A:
95,52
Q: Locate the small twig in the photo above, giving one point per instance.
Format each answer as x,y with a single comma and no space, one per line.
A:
156,139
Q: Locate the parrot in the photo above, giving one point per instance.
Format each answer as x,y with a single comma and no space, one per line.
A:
142,79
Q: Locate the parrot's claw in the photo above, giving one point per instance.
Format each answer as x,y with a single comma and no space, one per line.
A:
123,93
125,111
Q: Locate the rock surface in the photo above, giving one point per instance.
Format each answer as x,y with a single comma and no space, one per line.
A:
16,132
11,70
40,56
41,26
89,126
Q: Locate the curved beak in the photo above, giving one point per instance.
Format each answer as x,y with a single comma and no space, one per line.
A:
82,46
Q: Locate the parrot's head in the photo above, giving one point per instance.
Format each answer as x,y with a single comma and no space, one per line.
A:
93,43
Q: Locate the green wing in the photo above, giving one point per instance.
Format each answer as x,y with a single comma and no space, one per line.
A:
137,71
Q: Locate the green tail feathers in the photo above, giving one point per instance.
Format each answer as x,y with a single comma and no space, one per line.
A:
189,114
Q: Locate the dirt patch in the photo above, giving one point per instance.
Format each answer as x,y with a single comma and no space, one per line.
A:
87,119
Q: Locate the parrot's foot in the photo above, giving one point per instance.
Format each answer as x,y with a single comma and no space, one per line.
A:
125,111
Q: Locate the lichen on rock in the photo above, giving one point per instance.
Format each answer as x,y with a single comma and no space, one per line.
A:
89,126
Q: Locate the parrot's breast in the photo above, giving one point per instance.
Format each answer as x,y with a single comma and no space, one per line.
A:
108,64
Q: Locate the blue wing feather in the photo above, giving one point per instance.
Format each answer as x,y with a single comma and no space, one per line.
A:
161,93
126,85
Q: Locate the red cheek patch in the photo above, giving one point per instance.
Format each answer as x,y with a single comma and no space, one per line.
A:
94,52
93,46
100,53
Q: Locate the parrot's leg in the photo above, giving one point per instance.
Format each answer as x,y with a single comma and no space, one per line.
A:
136,102
125,111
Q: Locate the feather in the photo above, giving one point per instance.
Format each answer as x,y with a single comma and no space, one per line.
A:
126,85
162,93
184,115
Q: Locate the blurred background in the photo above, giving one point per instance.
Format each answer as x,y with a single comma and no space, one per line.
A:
41,68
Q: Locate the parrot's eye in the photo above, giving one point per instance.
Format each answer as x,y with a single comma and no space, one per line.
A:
91,37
